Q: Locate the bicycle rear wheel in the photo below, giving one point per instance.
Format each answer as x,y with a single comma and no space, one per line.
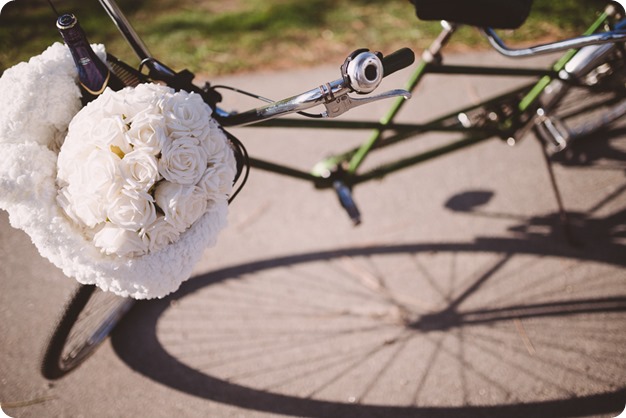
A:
87,320
593,99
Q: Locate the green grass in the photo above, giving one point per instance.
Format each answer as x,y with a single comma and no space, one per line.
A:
217,37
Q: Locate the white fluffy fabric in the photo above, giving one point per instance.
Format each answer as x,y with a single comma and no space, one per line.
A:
40,99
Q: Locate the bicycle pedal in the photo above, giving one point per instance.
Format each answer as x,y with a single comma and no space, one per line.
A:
347,202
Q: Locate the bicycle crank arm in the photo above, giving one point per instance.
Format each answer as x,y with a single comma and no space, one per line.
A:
344,103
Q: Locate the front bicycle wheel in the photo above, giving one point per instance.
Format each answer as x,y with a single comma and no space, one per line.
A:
87,320
593,98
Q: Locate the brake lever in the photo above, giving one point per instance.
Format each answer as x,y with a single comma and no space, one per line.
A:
344,103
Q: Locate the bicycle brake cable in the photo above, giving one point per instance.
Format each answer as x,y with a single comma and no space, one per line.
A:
265,99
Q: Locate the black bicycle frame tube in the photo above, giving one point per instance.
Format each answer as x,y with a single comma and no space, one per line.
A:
401,131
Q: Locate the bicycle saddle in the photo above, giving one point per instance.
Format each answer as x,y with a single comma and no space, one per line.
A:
498,14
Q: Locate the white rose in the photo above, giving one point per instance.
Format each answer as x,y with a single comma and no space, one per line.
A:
160,234
139,169
215,144
147,131
66,202
121,242
182,205
84,209
132,210
82,122
78,143
186,114
111,102
217,181
142,99
73,149
182,161
210,183
109,134
93,185
197,206
150,94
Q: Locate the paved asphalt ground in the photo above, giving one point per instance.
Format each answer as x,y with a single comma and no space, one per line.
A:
457,296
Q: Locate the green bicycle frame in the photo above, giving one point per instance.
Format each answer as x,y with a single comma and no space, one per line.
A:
387,132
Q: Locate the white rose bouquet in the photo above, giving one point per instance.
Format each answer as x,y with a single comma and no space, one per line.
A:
125,193
138,167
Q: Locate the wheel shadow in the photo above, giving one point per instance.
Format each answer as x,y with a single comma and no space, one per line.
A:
499,326
184,357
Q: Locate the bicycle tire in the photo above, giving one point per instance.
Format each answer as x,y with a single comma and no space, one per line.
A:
87,320
594,101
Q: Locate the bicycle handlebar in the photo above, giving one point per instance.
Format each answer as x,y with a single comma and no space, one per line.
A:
618,35
361,77
397,61
362,72
572,43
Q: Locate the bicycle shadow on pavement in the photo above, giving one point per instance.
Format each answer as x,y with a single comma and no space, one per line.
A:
517,328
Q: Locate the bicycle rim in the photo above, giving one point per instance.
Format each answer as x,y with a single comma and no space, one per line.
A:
86,322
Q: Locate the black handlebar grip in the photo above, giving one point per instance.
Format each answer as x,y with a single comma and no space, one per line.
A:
398,60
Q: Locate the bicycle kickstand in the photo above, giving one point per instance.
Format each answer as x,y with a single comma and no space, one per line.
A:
563,216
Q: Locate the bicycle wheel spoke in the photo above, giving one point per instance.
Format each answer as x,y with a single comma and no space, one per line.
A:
489,310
